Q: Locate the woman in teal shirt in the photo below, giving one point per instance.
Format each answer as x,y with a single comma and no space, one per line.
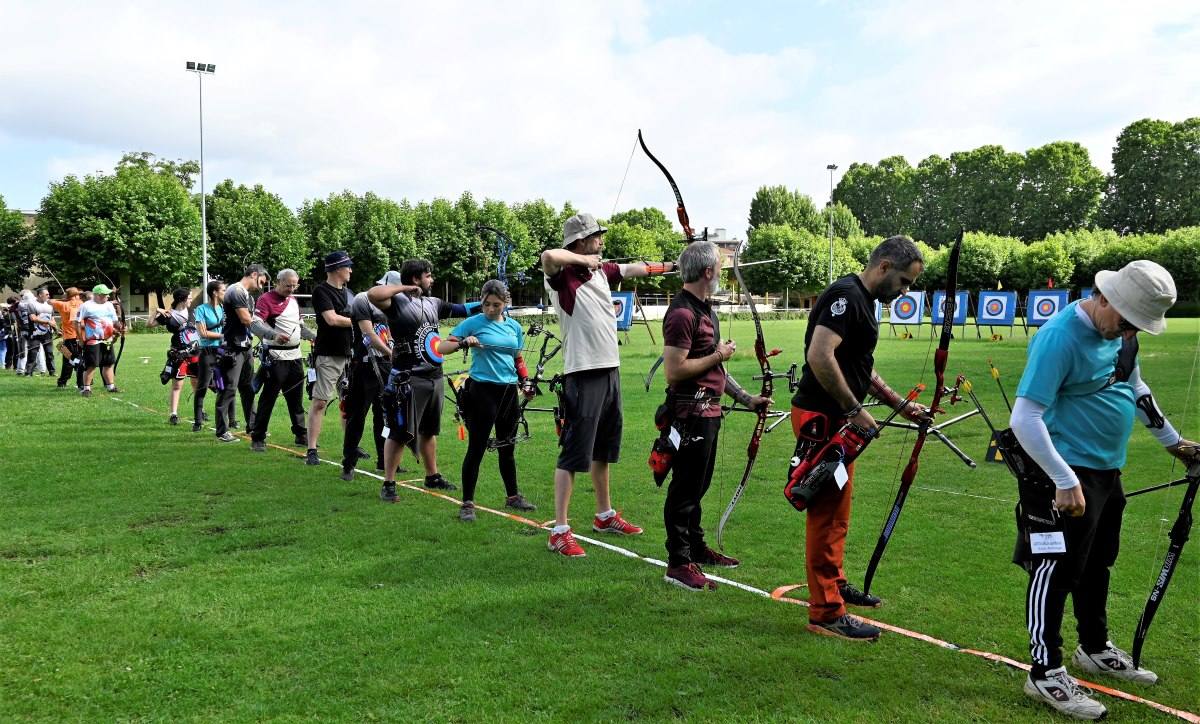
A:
491,397
210,320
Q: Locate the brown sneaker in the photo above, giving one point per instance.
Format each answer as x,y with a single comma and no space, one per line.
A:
689,576
518,502
720,560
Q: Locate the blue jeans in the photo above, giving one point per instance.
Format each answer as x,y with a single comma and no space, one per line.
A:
3,352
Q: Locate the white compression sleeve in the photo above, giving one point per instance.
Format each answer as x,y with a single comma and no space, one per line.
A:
1160,427
1031,432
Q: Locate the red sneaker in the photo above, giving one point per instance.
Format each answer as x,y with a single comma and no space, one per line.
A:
615,524
689,576
712,558
565,544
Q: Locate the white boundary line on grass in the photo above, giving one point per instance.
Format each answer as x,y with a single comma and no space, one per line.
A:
779,594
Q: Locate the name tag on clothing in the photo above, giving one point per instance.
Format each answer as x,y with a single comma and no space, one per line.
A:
840,476
1053,542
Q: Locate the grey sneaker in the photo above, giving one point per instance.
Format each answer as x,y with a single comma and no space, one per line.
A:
1065,694
387,493
310,458
258,446
854,597
466,512
347,474
850,628
1115,663
518,502
228,437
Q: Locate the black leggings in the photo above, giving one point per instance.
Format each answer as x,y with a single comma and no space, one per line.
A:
208,361
363,398
486,405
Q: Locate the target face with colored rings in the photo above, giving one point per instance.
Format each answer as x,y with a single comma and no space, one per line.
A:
1047,307
994,307
427,344
905,308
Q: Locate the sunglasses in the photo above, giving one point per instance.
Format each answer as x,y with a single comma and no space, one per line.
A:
1125,326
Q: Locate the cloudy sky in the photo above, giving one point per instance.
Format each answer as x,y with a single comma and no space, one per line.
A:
520,100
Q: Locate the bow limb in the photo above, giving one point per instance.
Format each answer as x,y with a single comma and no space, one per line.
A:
768,387
121,308
1178,537
940,357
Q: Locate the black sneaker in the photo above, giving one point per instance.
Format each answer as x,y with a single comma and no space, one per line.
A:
311,457
302,440
362,454
854,597
203,417
518,502
174,420
847,627
233,425
437,482
258,446
388,493
347,474
196,427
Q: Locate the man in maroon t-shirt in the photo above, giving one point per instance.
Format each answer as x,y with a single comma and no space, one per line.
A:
694,360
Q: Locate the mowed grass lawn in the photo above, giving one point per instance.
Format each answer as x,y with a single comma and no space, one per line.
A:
149,573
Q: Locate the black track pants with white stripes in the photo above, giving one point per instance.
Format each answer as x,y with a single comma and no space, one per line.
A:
1093,541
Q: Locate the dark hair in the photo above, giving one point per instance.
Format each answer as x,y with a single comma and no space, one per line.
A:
180,295
255,269
12,300
414,268
900,250
213,286
41,289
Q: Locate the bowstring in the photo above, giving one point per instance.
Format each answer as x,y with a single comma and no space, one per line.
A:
628,164
900,457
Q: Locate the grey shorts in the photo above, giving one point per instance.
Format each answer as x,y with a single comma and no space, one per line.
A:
592,410
428,398
329,369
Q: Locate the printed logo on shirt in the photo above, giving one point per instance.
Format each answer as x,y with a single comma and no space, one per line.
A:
838,308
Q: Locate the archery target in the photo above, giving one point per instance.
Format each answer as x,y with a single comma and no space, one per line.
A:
1044,304
997,308
958,314
906,309
428,337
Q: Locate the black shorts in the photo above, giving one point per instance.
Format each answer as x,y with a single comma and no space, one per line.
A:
592,410
428,399
98,355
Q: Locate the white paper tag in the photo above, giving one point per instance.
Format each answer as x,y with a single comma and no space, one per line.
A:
673,436
385,432
1052,542
312,374
840,476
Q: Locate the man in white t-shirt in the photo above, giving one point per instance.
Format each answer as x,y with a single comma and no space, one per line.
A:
591,438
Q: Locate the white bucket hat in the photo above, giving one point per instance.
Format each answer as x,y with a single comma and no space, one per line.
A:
1141,292
580,226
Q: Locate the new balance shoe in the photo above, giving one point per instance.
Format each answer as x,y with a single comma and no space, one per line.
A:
518,502
1115,663
466,512
689,576
565,544
387,493
259,446
720,560
854,597
850,628
310,458
437,482
616,524
228,437
1065,694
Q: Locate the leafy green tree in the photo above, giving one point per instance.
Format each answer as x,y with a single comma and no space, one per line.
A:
251,225
1083,246
881,196
1155,182
934,219
845,225
803,265
1060,189
543,223
16,248
185,171
367,227
138,222
446,237
522,259
1041,262
1179,252
984,189
778,205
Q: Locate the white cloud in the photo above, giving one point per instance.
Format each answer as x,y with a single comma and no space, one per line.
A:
524,100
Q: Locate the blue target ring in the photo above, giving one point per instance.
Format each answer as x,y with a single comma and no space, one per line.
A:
905,308
1047,307
994,307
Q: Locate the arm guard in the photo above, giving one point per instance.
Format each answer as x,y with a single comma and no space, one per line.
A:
885,394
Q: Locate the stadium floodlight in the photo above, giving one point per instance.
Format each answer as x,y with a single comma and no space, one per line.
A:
202,69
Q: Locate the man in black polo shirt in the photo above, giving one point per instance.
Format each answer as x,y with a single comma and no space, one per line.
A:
236,364
839,371
331,301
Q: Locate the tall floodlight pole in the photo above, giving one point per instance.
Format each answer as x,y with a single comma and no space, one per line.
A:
831,168
201,70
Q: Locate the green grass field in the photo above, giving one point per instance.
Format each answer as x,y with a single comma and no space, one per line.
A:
149,573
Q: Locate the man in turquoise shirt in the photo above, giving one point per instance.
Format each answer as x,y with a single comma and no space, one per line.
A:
1075,406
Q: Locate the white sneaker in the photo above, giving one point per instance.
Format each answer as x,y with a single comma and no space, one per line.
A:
1063,693
1113,662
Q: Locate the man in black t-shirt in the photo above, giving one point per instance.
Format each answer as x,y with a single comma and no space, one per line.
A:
331,301
839,371
236,364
